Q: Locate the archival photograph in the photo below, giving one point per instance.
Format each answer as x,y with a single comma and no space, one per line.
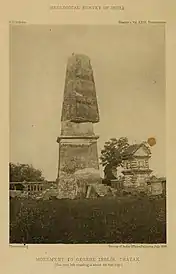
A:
87,160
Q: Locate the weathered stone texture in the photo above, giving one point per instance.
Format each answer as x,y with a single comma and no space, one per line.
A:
85,183
76,129
78,143
100,190
76,156
80,102
67,187
88,176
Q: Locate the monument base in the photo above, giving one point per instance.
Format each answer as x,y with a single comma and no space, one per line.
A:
78,165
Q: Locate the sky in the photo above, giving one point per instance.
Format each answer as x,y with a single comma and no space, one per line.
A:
128,63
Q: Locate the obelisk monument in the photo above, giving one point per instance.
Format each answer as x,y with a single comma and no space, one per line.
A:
77,142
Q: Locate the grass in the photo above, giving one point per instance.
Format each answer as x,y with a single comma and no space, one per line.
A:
103,220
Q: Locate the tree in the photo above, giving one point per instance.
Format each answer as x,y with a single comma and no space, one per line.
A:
112,155
24,172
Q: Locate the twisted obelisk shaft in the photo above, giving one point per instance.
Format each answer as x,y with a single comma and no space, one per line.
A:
77,142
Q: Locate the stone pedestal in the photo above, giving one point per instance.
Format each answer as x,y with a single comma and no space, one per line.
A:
76,153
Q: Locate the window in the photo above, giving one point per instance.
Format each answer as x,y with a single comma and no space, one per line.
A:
142,164
128,165
134,164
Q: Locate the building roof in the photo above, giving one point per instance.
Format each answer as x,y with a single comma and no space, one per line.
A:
131,149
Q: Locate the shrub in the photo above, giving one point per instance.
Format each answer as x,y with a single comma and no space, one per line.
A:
103,220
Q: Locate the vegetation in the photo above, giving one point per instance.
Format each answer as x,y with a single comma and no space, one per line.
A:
112,154
103,220
24,172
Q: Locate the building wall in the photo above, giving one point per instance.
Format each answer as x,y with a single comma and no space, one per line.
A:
141,180
136,170
157,188
128,180
137,162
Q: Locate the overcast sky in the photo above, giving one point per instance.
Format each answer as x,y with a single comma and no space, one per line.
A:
128,66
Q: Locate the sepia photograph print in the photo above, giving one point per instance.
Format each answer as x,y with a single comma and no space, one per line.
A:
87,134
